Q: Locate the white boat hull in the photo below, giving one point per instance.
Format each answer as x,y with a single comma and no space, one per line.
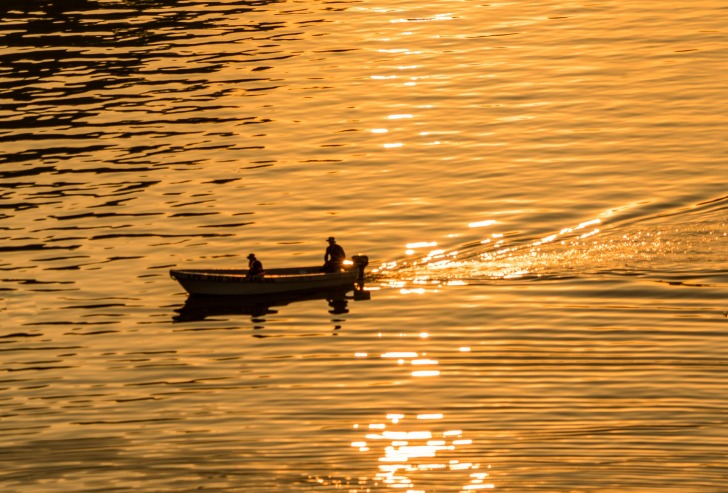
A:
228,282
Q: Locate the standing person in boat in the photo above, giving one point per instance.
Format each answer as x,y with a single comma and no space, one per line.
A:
334,256
255,267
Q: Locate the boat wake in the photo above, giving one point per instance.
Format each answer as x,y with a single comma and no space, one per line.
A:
675,245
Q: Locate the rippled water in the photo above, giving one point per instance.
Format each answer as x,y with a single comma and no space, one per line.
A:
541,188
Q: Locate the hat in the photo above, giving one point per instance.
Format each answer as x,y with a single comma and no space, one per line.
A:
331,238
252,255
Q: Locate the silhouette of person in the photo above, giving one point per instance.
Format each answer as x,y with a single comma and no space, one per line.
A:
255,267
334,256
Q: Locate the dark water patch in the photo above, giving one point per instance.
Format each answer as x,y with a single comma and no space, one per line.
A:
96,332
256,122
228,225
97,215
722,202
36,246
50,153
261,164
196,202
24,206
93,307
56,194
222,181
56,119
49,136
52,290
113,203
151,353
39,368
137,186
125,421
39,170
65,323
69,228
194,214
687,284
35,282
208,328
104,170
152,235
136,399
165,266
247,148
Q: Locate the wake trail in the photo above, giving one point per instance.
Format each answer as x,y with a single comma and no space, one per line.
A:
687,243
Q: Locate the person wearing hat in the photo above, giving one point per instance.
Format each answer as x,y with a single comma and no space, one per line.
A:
334,256
255,267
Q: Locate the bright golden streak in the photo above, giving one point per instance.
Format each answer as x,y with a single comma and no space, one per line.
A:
402,354
422,244
424,362
426,373
412,291
450,433
482,224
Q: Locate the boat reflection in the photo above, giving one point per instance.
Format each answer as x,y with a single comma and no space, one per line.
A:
198,308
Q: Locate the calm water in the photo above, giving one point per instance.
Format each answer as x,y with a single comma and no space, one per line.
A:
541,188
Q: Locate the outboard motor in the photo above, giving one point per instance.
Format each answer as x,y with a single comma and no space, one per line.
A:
361,262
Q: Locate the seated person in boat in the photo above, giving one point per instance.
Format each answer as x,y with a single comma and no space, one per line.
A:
334,256
255,267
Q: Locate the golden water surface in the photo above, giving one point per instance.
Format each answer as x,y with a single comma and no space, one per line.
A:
541,189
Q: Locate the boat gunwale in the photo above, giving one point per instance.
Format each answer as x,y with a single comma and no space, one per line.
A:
240,275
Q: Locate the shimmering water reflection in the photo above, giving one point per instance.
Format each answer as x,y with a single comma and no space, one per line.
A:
407,454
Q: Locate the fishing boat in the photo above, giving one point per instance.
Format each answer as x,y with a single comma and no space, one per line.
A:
235,282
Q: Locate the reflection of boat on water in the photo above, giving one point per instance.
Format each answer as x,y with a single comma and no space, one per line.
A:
198,308
226,282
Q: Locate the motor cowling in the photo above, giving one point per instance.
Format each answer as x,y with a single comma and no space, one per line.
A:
361,262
